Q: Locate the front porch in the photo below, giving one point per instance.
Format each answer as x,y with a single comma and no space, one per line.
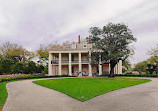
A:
85,69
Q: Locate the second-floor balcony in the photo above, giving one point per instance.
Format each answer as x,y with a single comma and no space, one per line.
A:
84,61
54,62
67,61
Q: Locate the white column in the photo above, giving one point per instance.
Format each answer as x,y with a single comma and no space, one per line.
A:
70,70
80,65
120,66
100,66
117,68
59,63
90,66
50,68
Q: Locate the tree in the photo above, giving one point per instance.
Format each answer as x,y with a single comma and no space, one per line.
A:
141,66
40,68
153,52
153,60
18,67
15,52
46,69
43,52
31,67
6,65
0,68
111,44
126,65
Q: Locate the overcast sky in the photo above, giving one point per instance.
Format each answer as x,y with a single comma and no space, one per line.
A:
34,22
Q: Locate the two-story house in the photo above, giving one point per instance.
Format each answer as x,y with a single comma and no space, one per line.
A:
71,58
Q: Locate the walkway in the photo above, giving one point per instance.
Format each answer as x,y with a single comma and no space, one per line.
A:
27,96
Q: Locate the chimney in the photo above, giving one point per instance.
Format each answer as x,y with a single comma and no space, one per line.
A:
89,38
79,39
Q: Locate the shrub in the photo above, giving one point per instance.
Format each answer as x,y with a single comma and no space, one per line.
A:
26,70
140,72
154,73
147,72
29,77
18,68
40,69
6,65
31,67
45,70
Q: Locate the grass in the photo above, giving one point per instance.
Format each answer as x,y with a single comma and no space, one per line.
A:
88,87
3,93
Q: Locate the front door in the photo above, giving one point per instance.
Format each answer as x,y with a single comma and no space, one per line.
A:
72,69
72,58
97,69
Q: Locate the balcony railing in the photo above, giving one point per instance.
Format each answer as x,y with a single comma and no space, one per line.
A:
84,61
75,61
67,61
54,62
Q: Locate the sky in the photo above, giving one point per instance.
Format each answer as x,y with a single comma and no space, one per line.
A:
34,22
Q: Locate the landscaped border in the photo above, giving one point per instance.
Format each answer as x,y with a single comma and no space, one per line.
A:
132,75
4,81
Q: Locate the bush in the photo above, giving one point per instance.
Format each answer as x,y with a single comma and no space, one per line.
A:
31,67
39,69
0,69
132,75
140,72
6,65
29,77
147,72
154,73
26,70
18,68
45,70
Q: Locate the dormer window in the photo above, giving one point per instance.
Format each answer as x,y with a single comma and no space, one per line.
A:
85,45
73,45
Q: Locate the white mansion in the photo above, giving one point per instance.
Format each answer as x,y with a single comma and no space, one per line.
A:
71,58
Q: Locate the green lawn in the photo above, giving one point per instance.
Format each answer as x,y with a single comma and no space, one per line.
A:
3,93
88,87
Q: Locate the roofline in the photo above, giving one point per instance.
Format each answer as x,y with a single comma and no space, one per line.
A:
70,51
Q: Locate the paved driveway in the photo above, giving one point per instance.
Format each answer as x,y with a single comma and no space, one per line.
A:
27,96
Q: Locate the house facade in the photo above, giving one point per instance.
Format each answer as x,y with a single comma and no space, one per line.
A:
72,58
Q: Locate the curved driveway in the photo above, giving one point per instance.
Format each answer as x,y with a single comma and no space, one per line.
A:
27,96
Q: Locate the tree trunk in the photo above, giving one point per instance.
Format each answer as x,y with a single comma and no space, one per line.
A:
112,66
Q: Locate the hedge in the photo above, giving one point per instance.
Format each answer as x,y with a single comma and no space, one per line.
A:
132,75
29,77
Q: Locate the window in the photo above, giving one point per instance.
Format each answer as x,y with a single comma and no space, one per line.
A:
85,45
74,45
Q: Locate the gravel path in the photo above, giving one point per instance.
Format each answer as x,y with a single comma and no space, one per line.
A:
27,96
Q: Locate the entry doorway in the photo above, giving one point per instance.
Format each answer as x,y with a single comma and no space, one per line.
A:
72,58
72,69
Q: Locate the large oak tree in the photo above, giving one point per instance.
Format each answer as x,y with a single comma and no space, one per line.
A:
111,44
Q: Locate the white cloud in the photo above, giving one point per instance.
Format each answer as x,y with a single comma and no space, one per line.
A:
144,43
97,12
34,22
